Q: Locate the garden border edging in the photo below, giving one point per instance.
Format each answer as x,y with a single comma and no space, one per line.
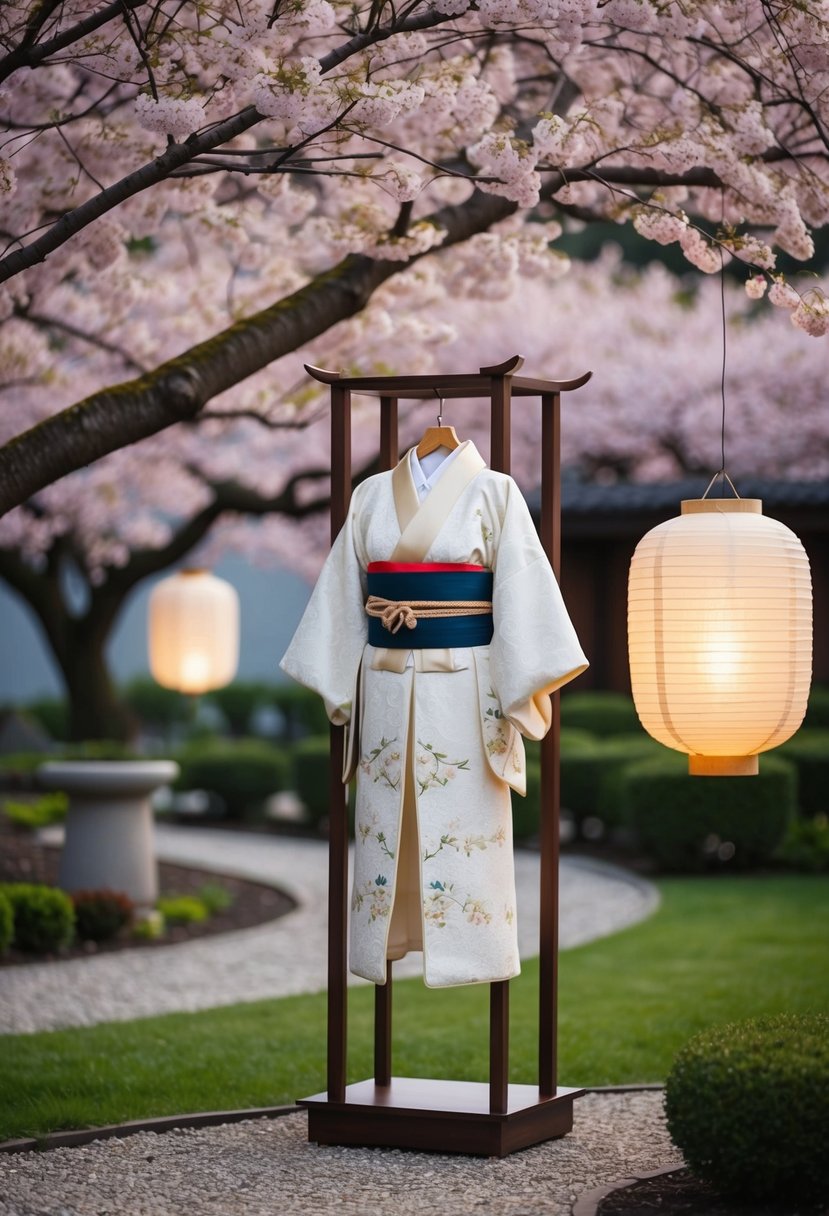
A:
168,1123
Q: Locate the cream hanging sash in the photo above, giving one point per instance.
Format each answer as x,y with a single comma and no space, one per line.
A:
420,524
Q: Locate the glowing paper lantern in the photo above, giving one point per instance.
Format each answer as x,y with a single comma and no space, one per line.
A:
720,634
193,631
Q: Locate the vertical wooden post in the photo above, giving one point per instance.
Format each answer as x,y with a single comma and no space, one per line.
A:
500,451
550,761
500,447
338,838
382,1029
389,449
389,442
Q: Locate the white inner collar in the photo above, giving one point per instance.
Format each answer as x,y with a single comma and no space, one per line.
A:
430,469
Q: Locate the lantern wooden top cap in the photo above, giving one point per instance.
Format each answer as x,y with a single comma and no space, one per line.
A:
474,384
721,506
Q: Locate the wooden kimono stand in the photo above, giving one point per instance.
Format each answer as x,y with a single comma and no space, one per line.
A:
403,1112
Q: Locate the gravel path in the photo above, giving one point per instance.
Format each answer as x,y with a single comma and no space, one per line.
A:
264,1166
283,957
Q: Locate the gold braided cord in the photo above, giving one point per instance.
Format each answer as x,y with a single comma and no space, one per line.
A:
394,614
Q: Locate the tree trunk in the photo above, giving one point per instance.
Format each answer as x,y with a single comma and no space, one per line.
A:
95,710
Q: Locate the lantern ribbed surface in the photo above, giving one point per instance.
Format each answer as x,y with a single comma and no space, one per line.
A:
720,633
193,632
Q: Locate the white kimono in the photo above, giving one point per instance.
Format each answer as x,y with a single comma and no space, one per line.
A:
436,744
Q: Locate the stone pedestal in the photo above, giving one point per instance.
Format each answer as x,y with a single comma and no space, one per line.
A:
109,826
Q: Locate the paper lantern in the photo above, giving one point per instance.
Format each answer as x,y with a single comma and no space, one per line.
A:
193,632
720,634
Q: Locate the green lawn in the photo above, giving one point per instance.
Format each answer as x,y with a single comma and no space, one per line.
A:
717,949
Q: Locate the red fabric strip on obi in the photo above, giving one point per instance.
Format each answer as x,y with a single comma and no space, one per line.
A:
418,567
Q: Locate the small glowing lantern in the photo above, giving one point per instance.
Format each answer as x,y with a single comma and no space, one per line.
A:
193,632
720,634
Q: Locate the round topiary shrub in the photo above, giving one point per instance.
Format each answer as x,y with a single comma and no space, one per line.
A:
691,823
44,919
6,923
99,915
748,1106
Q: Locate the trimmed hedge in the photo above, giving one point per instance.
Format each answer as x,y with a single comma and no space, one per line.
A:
806,846
600,713
808,751
6,922
589,778
748,1106
689,823
241,772
526,812
44,919
302,709
817,711
311,781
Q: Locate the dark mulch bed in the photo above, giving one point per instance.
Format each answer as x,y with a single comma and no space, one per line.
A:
681,1194
22,859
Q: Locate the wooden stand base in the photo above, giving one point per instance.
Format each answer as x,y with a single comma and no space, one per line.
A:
439,1116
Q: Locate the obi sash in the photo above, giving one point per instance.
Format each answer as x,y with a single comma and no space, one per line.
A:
409,584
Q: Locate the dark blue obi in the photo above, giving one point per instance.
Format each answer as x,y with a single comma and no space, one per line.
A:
418,582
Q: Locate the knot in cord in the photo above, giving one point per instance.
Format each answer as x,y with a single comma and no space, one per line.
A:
395,616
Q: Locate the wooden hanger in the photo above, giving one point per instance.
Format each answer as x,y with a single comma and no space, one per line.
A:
439,436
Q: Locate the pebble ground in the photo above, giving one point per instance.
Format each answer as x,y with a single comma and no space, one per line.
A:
262,1167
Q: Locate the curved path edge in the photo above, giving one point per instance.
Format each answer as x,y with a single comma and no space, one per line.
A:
263,962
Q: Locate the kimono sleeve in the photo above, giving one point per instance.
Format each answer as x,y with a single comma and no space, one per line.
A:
534,648
327,648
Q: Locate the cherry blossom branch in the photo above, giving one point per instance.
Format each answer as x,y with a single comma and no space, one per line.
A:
178,389
134,183
179,154
28,54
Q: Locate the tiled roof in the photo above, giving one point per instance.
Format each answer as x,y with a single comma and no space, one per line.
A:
585,498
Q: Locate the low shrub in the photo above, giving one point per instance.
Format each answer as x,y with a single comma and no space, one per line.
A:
215,897
808,751
241,772
44,919
150,927
182,909
690,823
806,846
49,808
101,914
748,1106
600,713
6,922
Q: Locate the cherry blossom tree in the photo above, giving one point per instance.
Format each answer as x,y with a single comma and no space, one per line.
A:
196,198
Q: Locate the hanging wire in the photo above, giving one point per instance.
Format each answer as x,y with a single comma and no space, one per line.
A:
721,473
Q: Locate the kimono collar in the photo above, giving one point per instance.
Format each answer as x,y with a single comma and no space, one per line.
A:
419,522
